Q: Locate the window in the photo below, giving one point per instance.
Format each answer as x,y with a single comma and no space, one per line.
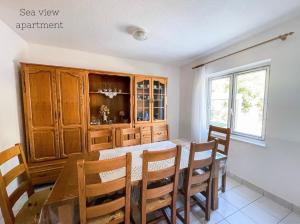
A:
238,101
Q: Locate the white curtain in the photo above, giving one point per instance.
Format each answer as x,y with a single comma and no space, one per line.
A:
199,101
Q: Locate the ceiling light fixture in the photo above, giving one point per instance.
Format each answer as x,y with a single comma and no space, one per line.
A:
140,34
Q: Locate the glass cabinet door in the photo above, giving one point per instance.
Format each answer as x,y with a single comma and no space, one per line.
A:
143,99
159,88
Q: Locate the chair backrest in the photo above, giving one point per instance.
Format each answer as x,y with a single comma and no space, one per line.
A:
160,133
130,136
151,175
223,136
202,157
93,190
101,139
24,185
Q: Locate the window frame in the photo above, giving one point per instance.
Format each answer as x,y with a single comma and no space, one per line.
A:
229,97
232,102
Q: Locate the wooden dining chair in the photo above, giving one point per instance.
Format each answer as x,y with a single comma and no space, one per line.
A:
159,187
198,178
114,207
30,211
101,139
223,135
130,136
160,133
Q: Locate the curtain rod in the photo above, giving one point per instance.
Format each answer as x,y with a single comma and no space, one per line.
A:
282,37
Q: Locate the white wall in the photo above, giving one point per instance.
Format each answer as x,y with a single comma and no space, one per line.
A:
67,57
11,126
275,168
12,47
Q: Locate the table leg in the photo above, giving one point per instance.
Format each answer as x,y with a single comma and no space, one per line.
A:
215,186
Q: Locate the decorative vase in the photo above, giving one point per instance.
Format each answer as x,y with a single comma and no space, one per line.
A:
104,117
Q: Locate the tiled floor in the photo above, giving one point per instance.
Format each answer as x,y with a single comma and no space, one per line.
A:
241,205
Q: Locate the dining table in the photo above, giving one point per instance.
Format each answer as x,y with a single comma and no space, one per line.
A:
62,203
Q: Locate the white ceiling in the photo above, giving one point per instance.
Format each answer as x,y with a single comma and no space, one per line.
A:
179,30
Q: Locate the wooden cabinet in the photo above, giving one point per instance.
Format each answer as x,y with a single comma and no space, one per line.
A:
54,112
150,99
40,101
159,99
143,99
62,104
70,96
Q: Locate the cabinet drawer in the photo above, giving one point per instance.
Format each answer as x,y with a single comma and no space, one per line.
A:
145,129
160,133
45,172
160,136
146,134
146,138
42,177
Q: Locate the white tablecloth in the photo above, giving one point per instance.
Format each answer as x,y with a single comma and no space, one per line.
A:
137,150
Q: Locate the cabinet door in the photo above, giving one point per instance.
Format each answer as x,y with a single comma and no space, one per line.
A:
71,111
41,113
142,100
159,94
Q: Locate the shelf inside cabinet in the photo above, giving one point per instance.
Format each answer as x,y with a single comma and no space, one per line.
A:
117,94
151,98
119,106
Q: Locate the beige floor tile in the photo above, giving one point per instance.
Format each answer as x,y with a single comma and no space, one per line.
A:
292,218
240,196
223,222
259,215
226,208
231,183
239,218
272,208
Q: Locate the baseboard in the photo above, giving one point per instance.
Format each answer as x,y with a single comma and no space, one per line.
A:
265,193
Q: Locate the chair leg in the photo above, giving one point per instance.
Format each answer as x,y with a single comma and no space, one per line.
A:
173,212
208,203
224,182
143,215
144,219
187,208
